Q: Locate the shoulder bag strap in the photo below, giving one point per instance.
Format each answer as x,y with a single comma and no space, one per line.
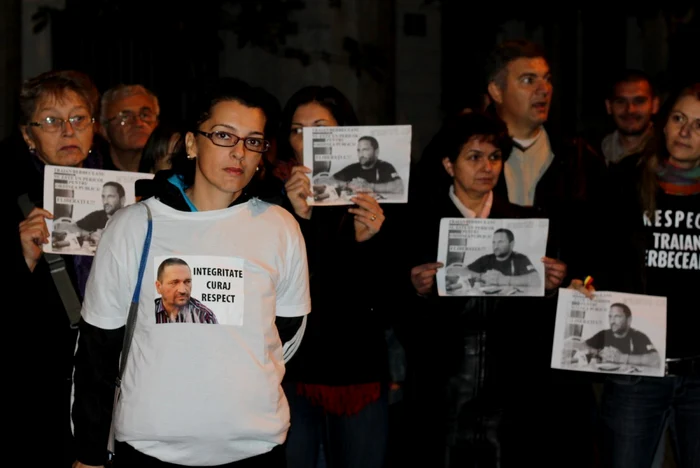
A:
57,266
130,325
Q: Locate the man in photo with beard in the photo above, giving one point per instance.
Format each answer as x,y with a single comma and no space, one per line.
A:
91,226
631,103
371,173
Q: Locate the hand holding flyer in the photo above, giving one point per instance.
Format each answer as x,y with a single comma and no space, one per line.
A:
346,161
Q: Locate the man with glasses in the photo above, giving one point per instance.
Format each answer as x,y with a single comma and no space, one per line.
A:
128,115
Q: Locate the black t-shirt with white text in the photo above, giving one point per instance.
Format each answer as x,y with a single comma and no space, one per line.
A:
516,264
381,173
672,268
635,342
93,221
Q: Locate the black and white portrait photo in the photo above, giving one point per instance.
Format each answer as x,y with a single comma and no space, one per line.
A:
346,161
612,333
492,257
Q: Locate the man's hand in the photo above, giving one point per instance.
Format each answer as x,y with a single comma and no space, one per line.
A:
298,188
423,277
610,354
494,277
554,272
359,185
94,237
369,217
33,233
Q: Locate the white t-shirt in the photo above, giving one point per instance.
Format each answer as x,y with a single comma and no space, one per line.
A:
202,393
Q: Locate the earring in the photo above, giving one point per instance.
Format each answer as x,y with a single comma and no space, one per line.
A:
257,168
191,156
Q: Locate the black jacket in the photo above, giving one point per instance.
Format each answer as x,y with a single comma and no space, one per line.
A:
39,354
462,352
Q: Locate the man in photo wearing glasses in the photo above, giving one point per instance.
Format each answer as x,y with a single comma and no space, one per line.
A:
128,115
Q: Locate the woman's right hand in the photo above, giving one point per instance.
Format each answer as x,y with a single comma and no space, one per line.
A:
423,277
580,286
33,233
298,188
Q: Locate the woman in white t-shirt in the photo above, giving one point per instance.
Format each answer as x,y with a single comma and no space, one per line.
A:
197,392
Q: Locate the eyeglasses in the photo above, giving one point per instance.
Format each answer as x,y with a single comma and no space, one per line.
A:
54,124
129,118
229,140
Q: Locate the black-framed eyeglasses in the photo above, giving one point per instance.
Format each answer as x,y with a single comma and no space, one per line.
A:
228,140
54,124
129,118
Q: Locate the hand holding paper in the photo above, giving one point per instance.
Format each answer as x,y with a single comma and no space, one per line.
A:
298,188
369,217
554,272
33,233
423,277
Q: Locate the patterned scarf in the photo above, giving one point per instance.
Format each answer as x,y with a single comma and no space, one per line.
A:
676,181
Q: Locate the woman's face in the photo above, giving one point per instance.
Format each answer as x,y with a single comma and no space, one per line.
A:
60,130
312,114
682,132
221,168
477,167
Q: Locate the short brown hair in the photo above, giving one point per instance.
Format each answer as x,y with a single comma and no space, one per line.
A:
504,53
55,84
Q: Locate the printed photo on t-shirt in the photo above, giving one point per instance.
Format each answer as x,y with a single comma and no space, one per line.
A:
199,289
614,332
491,257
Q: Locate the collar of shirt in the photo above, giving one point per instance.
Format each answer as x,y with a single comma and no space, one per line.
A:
466,212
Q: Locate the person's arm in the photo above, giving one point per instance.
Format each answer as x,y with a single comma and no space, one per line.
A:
293,298
291,331
108,294
592,345
96,366
527,275
530,279
651,359
389,180
649,356
394,187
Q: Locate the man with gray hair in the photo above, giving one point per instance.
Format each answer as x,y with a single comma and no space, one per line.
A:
128,115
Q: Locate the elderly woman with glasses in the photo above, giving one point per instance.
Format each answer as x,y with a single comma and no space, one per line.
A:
57,125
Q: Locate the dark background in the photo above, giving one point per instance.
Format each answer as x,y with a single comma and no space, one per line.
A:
399,61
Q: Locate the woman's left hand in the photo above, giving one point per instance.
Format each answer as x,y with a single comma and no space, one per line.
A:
369,217
554,272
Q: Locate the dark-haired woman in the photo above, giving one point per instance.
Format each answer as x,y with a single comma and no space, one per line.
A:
202,379
462,351
337,382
